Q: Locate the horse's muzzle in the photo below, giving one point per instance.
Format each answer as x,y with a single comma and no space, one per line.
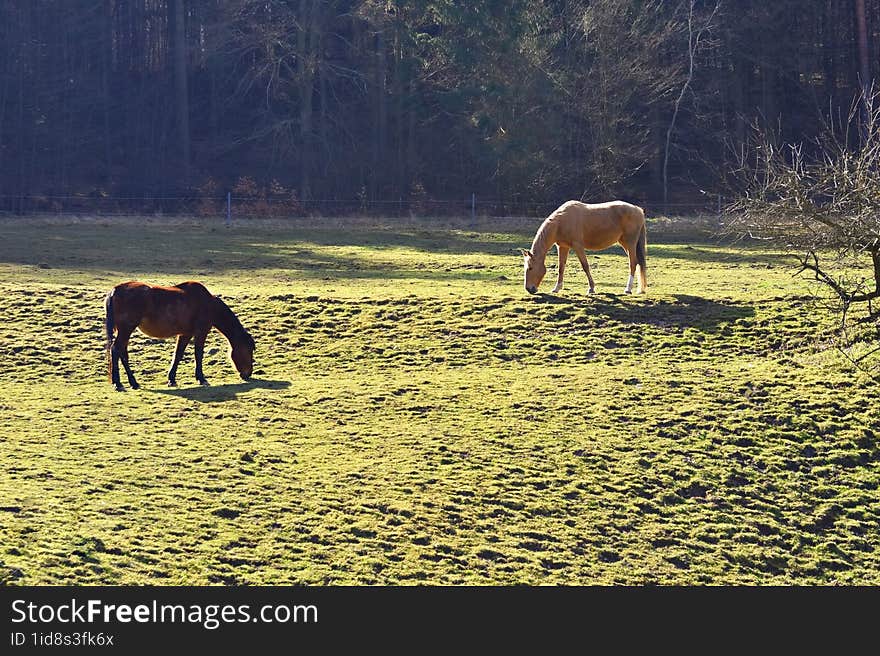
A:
532,290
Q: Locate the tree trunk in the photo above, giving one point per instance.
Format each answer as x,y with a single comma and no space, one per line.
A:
411,135
321,129
181,90
65,111
768,82
829,42
864,65
740,94
305,38
402,176
106,72
381,113
20,130
5,77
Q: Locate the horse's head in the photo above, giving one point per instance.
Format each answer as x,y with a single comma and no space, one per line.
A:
243,356
534,271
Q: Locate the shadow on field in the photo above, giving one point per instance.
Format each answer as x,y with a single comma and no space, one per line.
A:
677,310
213,393
204,250
708,252
199,249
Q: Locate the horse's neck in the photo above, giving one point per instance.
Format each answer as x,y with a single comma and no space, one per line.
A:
544,239
226,322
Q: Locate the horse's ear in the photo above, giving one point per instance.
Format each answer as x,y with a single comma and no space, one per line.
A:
525,253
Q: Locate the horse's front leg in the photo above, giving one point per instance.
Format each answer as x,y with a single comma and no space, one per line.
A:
120,352
199,346
563,256
582,256
182,341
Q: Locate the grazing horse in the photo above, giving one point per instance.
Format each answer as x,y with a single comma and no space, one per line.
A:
588,227
187,310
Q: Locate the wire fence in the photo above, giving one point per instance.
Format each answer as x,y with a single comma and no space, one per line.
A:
232,207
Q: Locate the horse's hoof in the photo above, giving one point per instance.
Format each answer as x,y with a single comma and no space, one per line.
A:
172,382
135,386
119,387
592,290
203,382
627,291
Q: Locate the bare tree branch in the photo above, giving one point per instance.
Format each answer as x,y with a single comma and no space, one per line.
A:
693,45
821,202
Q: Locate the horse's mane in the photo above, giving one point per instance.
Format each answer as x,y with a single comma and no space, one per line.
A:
539,243
228,324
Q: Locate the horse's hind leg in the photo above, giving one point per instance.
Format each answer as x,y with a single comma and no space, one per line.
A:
123,355
119,351
633,262
182,341
114,368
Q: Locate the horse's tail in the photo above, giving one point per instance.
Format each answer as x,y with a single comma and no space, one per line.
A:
109,324
642,255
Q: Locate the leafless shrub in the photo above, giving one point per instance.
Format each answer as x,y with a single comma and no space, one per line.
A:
820,201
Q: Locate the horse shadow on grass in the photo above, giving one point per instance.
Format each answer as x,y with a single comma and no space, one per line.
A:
673,311
215,393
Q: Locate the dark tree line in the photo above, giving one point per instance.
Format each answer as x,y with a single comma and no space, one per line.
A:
531,101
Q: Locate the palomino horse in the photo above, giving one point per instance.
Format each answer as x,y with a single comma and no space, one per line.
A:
588,227
187,310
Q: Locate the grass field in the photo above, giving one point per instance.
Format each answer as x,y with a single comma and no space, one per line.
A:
415,417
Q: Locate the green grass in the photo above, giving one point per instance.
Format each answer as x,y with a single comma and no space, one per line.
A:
417,418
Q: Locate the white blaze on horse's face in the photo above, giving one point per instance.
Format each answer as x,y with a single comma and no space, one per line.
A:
534,271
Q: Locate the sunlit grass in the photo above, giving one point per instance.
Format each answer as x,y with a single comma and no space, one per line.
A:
417,418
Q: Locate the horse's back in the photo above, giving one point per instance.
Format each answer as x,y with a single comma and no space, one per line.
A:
597,225
195,288
131,295
161,311
616,208
145,292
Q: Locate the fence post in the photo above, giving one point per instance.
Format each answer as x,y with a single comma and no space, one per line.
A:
473,208
228,207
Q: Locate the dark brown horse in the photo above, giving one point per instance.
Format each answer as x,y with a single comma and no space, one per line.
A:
187,310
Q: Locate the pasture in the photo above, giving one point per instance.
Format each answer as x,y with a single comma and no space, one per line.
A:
416,417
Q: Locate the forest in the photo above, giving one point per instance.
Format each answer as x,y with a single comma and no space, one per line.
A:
331,105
